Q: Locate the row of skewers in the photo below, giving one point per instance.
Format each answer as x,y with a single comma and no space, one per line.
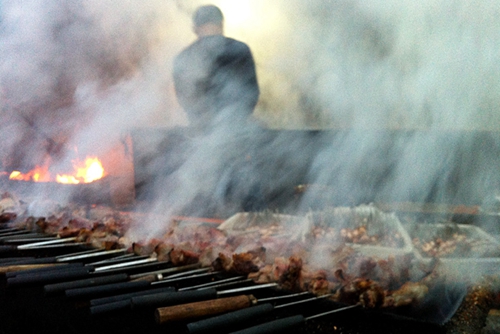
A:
115,280
92,263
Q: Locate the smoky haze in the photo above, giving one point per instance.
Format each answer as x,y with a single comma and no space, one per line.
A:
84,73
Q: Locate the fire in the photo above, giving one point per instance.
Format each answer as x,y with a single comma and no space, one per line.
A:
39,174
84,172
92,171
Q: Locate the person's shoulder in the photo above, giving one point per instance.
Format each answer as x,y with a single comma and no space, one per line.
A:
236,45
187,50
235,42
186,54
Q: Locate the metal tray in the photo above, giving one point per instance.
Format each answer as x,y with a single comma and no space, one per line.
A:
392,238
477,253
387,237
263,223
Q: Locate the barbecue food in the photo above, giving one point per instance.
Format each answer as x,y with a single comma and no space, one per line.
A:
7,217
451,240
363,226
317,282
240,263
361,291
300,255
407,294
10,207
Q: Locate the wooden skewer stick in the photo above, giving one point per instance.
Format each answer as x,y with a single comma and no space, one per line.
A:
21,267
211,307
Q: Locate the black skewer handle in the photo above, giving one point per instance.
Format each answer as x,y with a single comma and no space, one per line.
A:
93,291
15,259
128,296
123,302
229,320
56,288
272,327
173,298
40,260
5,249
40,271
119,305
49,277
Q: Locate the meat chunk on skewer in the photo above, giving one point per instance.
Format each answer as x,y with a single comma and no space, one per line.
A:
410,292
241,263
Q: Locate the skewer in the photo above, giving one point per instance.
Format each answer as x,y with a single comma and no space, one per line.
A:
9,229
234,318
85,256
215,306
108,279
41,271
89,251
124,264
282,324
180,271
59,245
32,260
16,259
215,284
45,276
8,232
117,259
61,275
191,272
142,283
131,270
68,258
127,283
177,278
114,259
52,289
30,244
21,267
184,297
45,243
41,260
8,249
123,301
24,239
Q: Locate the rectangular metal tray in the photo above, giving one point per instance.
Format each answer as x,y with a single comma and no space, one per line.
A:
390,237
386,235
477,253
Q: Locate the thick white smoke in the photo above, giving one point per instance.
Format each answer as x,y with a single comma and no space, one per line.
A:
83,73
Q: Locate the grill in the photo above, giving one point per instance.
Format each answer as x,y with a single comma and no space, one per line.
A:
76,288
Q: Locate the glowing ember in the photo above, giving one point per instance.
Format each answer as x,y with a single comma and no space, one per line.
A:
86,172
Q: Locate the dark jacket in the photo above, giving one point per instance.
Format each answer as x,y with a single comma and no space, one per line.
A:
215,81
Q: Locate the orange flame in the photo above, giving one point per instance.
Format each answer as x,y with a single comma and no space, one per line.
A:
39,174
92,171
88,171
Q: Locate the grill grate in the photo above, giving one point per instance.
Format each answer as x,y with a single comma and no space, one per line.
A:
29,308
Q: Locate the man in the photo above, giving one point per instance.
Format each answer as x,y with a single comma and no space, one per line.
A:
215,79
216,84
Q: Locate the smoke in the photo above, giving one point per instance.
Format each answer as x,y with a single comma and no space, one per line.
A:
427,66
392,64
68,68
84,73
